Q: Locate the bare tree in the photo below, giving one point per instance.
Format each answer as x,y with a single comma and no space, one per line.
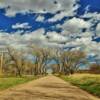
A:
71,60
67,62
16,59
41,56
56,56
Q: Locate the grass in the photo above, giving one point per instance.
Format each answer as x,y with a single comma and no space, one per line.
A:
88,82
12,81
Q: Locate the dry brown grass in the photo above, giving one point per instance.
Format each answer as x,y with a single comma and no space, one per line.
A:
88,82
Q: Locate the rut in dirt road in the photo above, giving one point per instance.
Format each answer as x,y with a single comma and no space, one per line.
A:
46,88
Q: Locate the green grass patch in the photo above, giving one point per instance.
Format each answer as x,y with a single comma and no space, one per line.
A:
12,81
88,82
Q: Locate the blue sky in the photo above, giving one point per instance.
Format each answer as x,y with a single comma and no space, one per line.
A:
68,24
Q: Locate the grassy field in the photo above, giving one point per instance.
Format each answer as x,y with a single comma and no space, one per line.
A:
12,81
88,82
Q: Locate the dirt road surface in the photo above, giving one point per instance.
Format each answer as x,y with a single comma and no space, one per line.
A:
46,88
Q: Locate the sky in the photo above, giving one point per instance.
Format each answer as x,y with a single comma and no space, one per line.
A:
66,24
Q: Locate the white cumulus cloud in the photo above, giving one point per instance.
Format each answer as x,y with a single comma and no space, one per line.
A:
38,6
21,26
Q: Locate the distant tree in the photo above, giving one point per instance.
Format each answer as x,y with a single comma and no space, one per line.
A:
95,68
